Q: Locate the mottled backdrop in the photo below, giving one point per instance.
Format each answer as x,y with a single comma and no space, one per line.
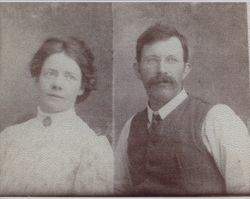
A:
217,37
216,32
24,27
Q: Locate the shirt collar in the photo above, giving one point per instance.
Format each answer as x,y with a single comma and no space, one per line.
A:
58,117
169,107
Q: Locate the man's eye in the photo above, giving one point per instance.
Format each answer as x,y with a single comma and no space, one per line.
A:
151,61
172,60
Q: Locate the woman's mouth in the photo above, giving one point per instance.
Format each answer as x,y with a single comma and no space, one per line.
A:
55,96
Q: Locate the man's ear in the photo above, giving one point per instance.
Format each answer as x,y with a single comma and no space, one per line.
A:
187,69
137,70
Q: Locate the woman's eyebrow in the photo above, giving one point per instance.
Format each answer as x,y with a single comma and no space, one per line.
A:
71,73
50,69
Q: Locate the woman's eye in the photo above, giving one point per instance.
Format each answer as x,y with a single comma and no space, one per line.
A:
49,73
70,77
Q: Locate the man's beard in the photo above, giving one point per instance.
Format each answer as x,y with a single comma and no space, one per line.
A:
162,88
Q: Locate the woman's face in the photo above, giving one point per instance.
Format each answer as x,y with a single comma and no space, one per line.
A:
59,83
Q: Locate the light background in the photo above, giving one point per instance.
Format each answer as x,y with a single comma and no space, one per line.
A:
24,27
216,33
217,37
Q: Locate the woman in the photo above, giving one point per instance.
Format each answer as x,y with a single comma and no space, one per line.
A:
56,153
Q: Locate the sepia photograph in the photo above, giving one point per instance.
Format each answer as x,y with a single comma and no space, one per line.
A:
124,98
181,99
56,99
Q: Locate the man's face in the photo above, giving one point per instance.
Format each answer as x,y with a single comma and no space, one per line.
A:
162,69
59,83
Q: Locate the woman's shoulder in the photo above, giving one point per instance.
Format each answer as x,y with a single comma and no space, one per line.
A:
93,140
94,137
16,130
101,146
84,129
98,149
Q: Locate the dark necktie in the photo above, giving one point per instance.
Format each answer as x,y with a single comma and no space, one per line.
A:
154,126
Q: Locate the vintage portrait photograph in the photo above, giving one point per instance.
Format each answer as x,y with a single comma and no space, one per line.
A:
120,99
181,99
56,99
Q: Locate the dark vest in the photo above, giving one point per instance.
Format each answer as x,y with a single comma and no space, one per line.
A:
173,160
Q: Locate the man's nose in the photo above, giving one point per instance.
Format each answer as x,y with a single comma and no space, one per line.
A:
163,67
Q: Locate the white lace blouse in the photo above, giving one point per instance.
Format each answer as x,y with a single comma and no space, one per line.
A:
64,157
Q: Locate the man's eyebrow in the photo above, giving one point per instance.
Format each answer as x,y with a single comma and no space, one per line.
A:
173,55
151,56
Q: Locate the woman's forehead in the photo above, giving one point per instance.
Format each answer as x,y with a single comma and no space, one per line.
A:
61,62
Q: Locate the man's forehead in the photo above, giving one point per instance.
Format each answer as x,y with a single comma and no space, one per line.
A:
167,45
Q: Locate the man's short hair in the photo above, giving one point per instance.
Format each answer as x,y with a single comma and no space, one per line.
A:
158,32
75,49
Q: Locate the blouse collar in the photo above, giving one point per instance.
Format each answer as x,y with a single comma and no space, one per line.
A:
56,117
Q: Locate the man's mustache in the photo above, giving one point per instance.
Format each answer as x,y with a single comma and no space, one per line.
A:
161,78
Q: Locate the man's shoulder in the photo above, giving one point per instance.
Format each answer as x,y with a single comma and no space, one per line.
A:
128,122
214,108
139,114
221,111
126,128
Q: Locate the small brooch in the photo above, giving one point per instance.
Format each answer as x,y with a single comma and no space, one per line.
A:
47,121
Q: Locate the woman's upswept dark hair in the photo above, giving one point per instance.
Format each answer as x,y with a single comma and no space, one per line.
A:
75,49
158,32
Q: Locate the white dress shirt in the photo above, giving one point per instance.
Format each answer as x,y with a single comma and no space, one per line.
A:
224,135
65,157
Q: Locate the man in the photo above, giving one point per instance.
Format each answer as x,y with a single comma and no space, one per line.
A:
179,144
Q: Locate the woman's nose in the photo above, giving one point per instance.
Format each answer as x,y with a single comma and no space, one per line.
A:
56,87
57,82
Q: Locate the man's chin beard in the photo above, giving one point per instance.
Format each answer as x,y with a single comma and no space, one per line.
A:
159,95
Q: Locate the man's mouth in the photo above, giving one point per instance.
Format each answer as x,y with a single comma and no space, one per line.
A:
163,82
160,83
